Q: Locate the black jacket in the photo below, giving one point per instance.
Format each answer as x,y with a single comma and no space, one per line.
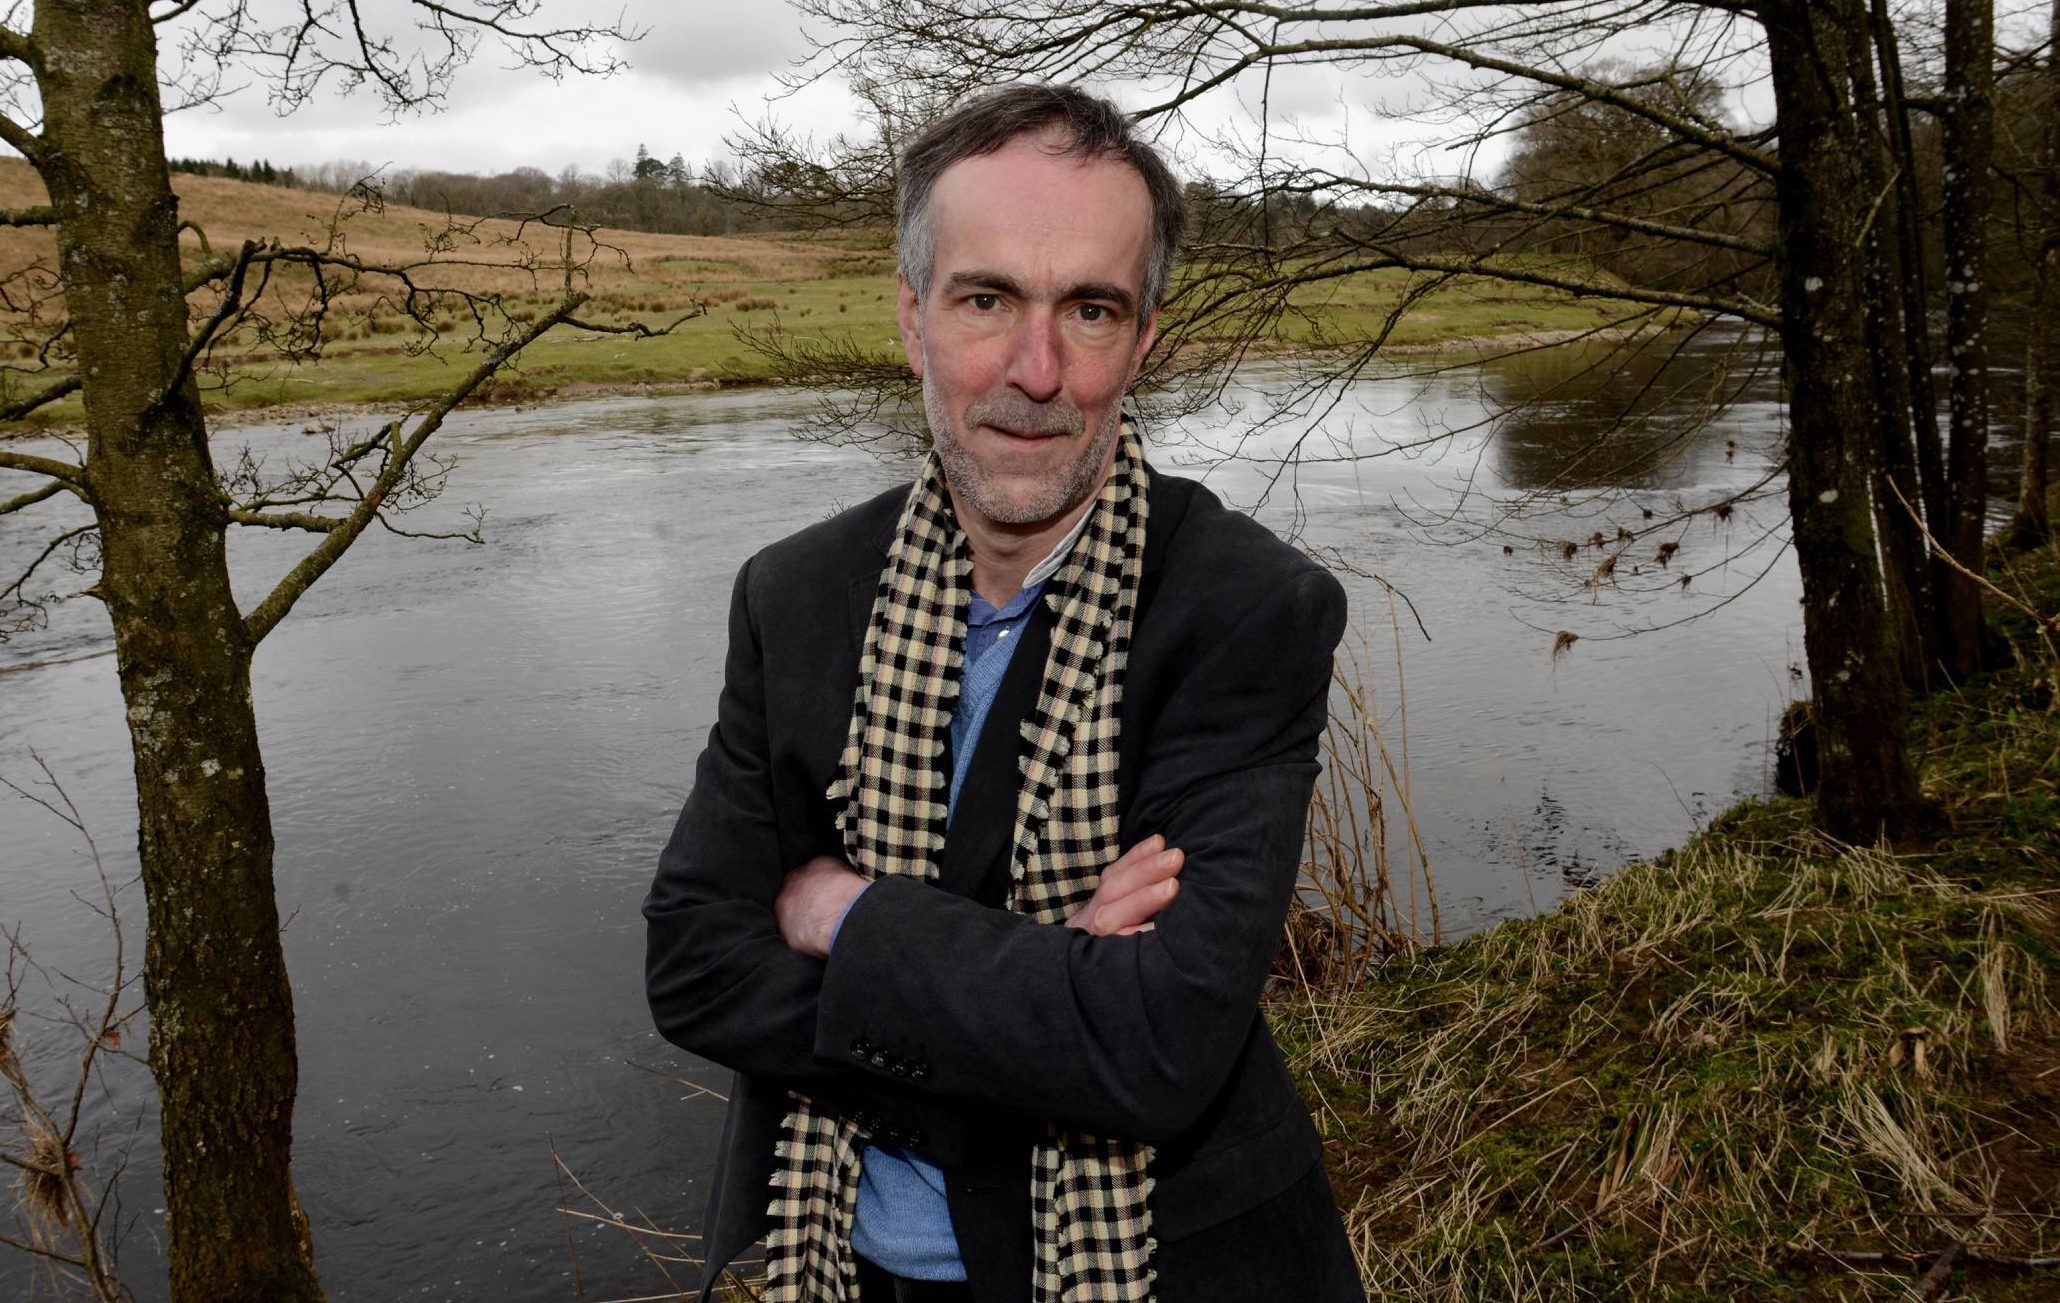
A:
957,1029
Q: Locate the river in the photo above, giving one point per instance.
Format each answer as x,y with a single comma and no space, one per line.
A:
474,753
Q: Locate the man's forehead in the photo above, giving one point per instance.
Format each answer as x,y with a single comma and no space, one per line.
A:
1034,193
1049,154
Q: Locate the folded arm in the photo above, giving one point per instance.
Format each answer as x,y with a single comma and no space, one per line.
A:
1125,1035
938,1014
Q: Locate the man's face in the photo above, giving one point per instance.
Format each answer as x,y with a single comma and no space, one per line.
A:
1033,327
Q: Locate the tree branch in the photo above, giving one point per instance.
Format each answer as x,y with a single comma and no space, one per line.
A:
19,47
1744,309
23,141
178,8
41,398
38,215
8,506
19,588
42,1251
1566,212
70,474
288,520
1384,258
232,299
638,328
267,614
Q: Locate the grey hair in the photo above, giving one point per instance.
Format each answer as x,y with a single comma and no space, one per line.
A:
1097,128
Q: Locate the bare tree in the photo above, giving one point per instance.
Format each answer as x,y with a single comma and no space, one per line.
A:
2037,189
1967,122
1790,229
120,322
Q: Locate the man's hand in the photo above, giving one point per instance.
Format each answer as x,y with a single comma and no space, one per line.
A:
811,902
1133,890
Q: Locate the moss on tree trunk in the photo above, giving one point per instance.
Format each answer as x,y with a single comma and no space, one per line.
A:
1867,785
222,1042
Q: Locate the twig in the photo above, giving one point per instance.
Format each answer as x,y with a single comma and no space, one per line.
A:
62,1196
2045,623
1880,1257
1935,1280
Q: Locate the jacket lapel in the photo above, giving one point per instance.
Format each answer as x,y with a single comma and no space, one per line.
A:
975,860
986,812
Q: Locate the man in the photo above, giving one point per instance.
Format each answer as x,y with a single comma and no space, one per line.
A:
990,846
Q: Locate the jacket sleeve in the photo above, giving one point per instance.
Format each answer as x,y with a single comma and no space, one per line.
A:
1125,1036
722,982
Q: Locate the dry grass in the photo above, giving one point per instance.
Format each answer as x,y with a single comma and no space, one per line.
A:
373,352
1765,1066
1367,891
806,294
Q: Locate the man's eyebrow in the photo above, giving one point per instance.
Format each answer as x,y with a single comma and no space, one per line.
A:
984,280
1002,283
1101,290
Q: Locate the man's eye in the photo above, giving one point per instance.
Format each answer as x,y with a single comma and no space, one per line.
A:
1093,312
986,302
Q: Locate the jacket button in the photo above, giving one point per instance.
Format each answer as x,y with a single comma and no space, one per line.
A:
899,1067
861,1047
878,1059
915,1136
921,1072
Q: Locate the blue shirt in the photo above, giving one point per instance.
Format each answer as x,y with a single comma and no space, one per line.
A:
904,1222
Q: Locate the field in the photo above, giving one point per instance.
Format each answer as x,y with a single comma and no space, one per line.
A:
832,286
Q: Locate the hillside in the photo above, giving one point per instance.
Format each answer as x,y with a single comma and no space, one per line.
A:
825,286
371,348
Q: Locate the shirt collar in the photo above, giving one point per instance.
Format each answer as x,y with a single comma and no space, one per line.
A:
984,612
1048,567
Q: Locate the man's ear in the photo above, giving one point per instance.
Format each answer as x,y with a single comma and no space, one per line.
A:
908,310
1145,336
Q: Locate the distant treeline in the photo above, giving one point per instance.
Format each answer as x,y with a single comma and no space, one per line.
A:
641,195
261,171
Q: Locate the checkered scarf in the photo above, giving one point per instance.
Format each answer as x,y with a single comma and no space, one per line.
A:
1088,1194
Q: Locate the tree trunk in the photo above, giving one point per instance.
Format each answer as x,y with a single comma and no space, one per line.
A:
2032,525
1904,563
1968,127
1867,787
221,1011
1916,295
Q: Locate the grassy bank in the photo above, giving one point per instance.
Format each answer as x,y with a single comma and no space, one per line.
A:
840,284
1763,1066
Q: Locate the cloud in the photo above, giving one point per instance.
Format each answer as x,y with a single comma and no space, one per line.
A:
706,44
693,64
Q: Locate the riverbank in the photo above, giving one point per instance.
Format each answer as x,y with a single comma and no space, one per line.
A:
1763,1066
377,383
385,344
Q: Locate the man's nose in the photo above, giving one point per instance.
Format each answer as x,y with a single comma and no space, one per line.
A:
1034,355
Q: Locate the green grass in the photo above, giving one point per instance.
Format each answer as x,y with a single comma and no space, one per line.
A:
708,349
1467,309
1732,1071
705,349
821,286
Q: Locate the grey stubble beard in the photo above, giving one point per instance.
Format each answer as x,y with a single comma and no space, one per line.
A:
1076,480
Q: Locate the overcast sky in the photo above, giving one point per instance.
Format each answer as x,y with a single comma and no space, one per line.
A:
699,65
697,59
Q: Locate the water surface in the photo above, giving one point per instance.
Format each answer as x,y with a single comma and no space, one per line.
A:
475,752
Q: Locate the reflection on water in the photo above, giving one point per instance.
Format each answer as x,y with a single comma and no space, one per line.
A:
474,753
1624,416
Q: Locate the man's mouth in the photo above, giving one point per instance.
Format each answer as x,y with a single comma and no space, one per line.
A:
1027,436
